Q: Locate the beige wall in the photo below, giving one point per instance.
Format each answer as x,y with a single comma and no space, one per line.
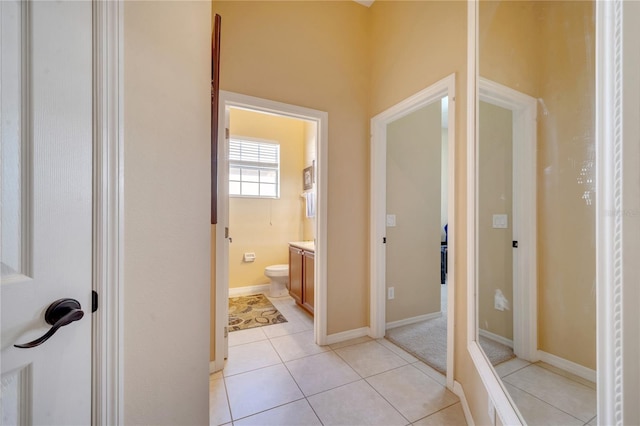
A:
550,56
265,226
315,54
509,44
166,212
495,196
566,182
414,143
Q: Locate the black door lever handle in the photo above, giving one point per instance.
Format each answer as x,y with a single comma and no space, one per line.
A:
60,313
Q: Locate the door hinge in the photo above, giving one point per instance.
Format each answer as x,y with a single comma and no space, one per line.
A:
384,240
514,244
94,301
226,133
226,332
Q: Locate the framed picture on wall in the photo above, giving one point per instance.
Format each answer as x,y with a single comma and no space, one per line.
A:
307,178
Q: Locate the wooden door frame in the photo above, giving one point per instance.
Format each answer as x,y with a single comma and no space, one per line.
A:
377,286
321,119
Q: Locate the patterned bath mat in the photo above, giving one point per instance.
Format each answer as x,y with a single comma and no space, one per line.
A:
252,311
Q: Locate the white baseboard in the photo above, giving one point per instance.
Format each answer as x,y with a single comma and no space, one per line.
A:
457,389
252,289
347,335
496,338
568,366
406,321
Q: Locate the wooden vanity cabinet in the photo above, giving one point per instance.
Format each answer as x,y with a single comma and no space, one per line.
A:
295,273
301,277
308,280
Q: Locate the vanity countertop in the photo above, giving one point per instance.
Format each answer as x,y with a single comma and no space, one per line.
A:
304,245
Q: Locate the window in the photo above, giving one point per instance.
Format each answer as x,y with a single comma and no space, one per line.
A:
254,169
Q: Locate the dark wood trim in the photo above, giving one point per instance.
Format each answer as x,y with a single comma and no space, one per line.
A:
215,94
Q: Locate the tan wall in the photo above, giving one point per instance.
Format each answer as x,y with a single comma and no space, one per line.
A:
414,143
566,182
509,44
550,56
495,196
166,212
265,226
315,54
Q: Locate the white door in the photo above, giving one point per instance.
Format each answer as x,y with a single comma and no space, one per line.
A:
46,113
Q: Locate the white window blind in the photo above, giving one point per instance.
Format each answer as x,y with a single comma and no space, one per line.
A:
254,169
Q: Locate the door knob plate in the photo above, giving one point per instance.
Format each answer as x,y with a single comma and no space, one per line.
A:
59,309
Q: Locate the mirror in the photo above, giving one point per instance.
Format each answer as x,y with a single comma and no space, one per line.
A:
535,210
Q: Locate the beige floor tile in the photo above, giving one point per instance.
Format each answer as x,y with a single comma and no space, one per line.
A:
450,416
354,404
350,342
398,351
218,404
250,335
511,366
294,346
291,327
537,412
593,422
414,394
298,413
370,358
587,383
568,396
250,357
321,372
431,372
260,390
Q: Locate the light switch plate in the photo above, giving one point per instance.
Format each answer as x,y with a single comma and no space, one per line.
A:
500,221
391,220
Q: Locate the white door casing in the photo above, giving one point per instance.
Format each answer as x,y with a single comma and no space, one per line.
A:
321,120
523,222
47,94
377,320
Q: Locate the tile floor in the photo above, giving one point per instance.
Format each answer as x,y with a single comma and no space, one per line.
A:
277,375
546,395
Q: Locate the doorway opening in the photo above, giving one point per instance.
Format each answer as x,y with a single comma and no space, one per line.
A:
290,197
521,247
412,238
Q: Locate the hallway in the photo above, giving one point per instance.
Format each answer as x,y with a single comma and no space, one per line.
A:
277,375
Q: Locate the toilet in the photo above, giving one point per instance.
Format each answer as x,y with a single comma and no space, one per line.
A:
279,276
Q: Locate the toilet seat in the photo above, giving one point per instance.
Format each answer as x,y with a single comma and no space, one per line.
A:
277,270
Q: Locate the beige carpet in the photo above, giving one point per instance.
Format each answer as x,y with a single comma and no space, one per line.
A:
252,311
427,341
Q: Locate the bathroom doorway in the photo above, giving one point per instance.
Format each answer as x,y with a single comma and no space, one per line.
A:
412,203
265,205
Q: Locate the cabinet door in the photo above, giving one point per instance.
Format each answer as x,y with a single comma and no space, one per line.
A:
309,281
295,274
